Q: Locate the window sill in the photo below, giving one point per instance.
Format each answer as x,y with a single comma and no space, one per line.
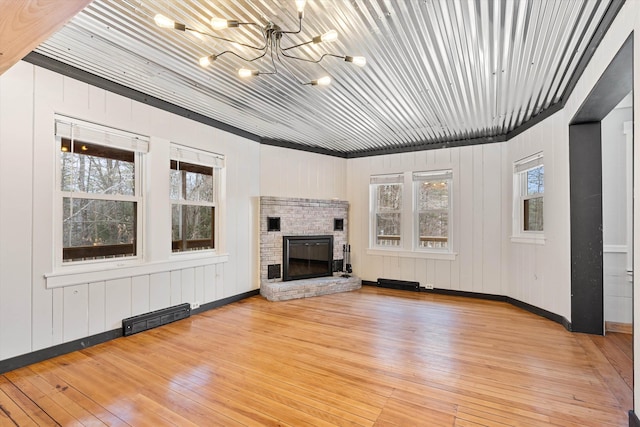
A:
530,240
448,256
97,273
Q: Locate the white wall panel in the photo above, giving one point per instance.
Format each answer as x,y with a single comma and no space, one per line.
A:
160,291
176,287
289,173
49,87
477,218
97,308
140,295
117,302
76,312
188,285
16,148
492,219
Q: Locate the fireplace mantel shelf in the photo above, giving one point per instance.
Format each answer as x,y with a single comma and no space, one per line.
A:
282,291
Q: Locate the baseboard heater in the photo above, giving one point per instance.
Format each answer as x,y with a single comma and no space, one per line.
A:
399,284
142,322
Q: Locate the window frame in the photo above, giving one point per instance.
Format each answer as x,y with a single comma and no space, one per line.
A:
432,176
376,181
521,197
198,158
113,139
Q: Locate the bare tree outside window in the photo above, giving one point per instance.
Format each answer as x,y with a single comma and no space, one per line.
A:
192,190
533,218
433,214
96,223
388,199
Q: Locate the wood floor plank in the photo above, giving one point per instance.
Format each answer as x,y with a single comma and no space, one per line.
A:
373,357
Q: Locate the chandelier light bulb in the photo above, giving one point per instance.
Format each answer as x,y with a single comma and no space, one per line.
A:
164,22
300,4
205,61
329,36
218,23
360,61
246,73
221,24
322,81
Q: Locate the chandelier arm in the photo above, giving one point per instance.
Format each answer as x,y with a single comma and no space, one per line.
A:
294,32
226,40
286,67
311,60
242,57
282,49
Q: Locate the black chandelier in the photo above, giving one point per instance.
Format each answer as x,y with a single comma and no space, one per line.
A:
272,49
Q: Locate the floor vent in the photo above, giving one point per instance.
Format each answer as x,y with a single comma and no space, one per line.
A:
142,322
399,284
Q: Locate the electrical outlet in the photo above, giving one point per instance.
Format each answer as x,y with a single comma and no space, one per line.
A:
428,286
195,305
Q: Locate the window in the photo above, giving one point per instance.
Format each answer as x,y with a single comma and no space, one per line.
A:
528,184
99,192
193,198
432,209
386,210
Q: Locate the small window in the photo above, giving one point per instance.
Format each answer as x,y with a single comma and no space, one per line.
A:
193,199
386,210
528,183
432,210
99,188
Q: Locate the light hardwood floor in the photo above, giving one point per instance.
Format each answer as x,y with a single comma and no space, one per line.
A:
374,357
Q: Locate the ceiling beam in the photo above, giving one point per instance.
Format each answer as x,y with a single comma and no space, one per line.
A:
24,24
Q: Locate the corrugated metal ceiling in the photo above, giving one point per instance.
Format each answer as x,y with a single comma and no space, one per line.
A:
436,70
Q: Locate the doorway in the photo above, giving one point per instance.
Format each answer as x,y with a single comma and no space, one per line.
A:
586,179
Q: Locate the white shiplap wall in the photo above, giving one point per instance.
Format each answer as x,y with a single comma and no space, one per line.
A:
486,261
32,316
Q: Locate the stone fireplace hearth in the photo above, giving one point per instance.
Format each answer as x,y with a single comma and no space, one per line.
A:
280,217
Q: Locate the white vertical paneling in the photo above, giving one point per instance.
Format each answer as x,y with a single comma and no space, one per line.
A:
456,218
466,211
140,295
478,217
505,232
421,271
16,148
407,269
209,283
188,285
391,267
97,308
97,101
57,318
491,219
119,109
48,88
76,312
198,281
159,290
157,246
117,302
75,97
220,280
176,287
442,274
431,272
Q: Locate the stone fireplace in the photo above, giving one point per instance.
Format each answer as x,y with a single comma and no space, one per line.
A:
304,226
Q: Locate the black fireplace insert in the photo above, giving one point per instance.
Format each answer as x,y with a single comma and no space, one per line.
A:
305,257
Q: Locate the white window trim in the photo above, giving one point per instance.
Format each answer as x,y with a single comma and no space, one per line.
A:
68,127
428,176
217,162
520,167
374,181
408,226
